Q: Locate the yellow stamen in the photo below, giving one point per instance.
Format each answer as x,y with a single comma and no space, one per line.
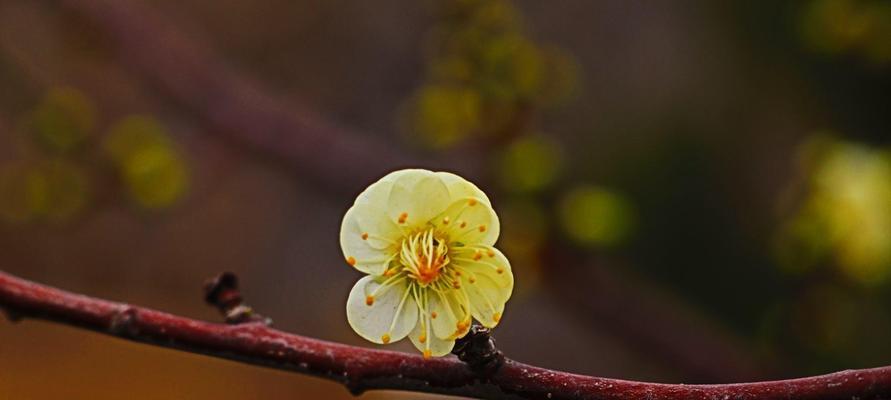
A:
445,221
500,270
482,228
403,217
425,256
369,300
427,354
390,272
385,338
433,315
472,202
477,255
351,260
490,253
365,236
422,338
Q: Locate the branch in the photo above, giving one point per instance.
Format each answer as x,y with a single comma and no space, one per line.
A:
361,369
235,105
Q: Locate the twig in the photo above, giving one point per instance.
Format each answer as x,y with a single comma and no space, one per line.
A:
361,369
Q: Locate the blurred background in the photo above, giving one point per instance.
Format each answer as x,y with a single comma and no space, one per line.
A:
689,191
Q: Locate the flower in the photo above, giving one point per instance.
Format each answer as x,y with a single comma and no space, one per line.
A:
425,239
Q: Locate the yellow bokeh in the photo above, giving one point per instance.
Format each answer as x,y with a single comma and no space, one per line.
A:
54,190
847,208
445,114
151,167
530,163
63,120
484,75
595,216
840,26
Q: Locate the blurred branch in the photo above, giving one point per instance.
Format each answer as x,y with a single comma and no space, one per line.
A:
656,324
361,369
194,76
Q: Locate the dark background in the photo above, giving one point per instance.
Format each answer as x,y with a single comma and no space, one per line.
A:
690,191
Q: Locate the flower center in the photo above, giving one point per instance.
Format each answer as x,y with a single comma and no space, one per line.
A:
424,256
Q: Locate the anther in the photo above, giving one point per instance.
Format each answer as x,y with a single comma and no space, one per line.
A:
463,224
422,338
500,270
462,326
482,228
351,260
477,255
390,272
472,280
385,338
427,354
457,273
403,217
445,221
369,300
490,253
472,202
365,236
497,317
433,315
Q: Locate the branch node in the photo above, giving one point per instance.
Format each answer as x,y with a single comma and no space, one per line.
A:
222,293
122,322
478,350
355,387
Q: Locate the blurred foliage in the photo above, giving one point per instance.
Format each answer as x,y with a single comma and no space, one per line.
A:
524,232
54,190
861,27
63,120
595,216
154,172
482,63
52,181
530,163
845,213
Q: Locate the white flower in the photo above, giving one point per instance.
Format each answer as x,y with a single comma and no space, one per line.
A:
425,239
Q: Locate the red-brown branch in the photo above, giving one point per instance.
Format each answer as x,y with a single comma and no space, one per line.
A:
363,369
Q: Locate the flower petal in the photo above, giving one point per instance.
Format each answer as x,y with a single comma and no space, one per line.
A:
416,198
371,216
382,310
367,252
484,260
460,188
469,221
426,341
486,298
449,314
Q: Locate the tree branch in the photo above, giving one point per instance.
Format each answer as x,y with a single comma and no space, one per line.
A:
235,105
361,369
